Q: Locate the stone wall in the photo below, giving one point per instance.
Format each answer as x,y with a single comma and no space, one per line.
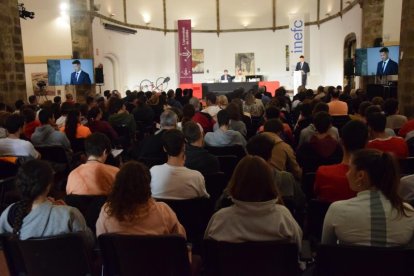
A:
82,40
406,66
372,21
12,76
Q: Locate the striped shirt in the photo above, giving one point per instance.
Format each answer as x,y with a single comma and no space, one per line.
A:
368,219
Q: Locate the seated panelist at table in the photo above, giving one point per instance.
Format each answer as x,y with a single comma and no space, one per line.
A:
226,77
239,76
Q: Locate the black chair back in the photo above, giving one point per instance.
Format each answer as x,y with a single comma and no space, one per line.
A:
8,192
227,164
78,145
250,258
406,165
124,135
340,260
152,161
8,169
89,206
194,214
236,150
316,215
55,154
340,121
308,181
58,255
215,185
133,255
410,144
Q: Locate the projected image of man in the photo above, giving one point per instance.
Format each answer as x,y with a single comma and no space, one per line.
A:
79,77
386,66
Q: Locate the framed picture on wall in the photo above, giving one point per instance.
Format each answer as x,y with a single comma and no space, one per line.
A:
245,63
198,61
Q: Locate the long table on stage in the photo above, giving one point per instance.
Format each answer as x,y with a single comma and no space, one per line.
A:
201,89
224,88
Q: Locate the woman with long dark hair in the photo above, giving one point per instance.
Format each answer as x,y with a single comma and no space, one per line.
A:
73,129
36,216
130,209
377,216
96,124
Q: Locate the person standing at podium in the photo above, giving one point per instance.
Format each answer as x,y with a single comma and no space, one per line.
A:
303,66
226,76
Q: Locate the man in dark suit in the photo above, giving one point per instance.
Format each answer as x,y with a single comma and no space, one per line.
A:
386,66
304,68
79,77
226,76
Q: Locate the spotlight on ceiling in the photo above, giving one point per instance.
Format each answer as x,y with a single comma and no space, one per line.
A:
23,13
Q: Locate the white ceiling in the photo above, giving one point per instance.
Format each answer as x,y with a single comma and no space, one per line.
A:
234,14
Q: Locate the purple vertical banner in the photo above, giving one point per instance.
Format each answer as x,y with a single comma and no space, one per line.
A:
184,51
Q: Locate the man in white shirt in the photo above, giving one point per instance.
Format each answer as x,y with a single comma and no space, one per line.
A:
212,108
13,145
172,180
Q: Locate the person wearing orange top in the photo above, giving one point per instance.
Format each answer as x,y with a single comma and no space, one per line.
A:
73,129
381,140
94,177
130,208
336,106
30,122
331,183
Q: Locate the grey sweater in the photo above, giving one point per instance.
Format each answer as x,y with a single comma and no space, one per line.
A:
49,220
46,135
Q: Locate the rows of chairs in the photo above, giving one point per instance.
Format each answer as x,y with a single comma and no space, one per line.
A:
168,255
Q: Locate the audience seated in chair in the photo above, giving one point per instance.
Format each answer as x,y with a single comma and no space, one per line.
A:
212,108
142,112
94,177
13,145
36,215
380,140
96,124
196,156
406,128
73,128
202,118
47,134
322,148
64,111
256,214
283,156
130,209
30,122
3,117
307,133
394,120
172,180
152,147
273,112
120,117
377,216
336,106
262,145
224,136
331,183
171,101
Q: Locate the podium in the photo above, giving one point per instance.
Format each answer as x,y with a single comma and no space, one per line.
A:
297,81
